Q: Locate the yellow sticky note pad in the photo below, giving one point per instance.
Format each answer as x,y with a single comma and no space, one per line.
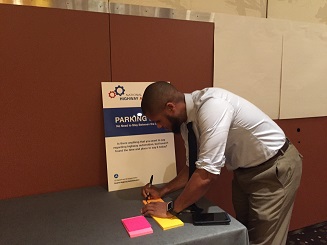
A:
165,223
168,223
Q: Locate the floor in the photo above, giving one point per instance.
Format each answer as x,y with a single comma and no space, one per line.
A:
314,234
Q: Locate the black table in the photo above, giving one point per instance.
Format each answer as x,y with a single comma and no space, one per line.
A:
93,216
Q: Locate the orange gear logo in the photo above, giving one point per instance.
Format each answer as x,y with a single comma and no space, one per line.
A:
112,94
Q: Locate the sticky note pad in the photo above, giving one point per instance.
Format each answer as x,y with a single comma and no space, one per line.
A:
137,226
165,223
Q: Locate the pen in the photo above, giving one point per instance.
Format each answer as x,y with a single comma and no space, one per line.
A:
150,184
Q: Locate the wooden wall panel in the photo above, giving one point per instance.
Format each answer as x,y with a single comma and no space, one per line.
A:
309,135
150,49
52,62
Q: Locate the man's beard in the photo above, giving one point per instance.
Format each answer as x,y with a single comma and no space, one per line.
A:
175,124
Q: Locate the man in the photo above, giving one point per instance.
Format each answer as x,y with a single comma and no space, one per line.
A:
229,131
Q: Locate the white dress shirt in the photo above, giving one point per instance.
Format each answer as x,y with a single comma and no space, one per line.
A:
229,130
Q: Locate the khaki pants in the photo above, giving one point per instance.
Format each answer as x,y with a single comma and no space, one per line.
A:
263,197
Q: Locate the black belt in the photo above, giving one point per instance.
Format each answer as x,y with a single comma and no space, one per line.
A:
282,150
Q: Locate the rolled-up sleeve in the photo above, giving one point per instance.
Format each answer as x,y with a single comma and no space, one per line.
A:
213,122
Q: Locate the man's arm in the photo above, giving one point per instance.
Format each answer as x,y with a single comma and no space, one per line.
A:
196,188
177,183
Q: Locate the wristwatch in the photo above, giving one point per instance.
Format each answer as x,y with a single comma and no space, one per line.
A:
170,208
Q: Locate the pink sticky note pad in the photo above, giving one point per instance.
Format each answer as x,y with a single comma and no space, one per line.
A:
137,226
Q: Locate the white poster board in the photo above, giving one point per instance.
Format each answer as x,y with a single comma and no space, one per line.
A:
304,76
247,60
135,147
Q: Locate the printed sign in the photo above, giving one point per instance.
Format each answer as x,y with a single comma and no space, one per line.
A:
135,147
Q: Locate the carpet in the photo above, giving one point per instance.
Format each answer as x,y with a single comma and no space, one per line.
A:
314,234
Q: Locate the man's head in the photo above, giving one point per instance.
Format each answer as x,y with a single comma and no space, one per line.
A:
163,104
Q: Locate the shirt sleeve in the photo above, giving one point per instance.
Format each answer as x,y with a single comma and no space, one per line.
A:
214,120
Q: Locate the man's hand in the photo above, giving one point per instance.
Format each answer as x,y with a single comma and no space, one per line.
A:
153,192
158,209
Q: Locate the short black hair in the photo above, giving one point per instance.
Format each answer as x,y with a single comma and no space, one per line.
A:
156,96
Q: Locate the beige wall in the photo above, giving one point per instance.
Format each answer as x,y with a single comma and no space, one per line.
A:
255,8
299,10
279,65
314,11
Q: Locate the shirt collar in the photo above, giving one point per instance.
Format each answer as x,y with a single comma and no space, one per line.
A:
189,108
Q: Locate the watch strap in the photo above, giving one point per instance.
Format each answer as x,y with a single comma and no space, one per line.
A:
173,212
170,208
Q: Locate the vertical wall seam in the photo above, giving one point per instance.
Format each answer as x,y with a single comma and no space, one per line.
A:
110,48
267,9
281,78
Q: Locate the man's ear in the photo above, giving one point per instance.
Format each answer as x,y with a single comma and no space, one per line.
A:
170,107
